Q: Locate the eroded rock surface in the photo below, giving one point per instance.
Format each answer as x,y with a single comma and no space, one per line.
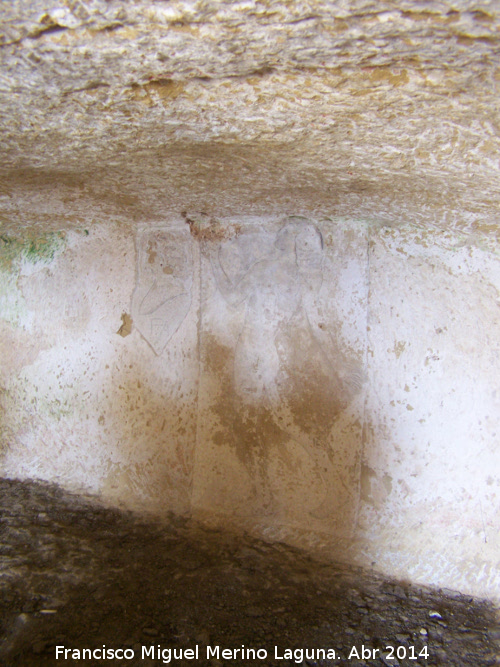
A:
385,111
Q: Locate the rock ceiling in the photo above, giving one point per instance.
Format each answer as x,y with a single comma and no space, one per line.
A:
382,111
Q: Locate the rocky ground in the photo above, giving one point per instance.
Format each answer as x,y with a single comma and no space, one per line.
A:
80,576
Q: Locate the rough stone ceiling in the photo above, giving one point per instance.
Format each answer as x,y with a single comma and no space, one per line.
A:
376,110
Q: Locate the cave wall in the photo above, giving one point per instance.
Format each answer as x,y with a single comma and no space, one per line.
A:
249,268
86,402
429,484
329,383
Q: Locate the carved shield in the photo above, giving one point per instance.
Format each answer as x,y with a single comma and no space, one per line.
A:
162,296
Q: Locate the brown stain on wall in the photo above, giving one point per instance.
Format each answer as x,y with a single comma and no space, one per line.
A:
317,388
151,432
156,91
249,430
126,327
204,227
390,76
258,431
399,348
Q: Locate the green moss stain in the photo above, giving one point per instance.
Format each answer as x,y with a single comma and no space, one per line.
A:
13,253
33,250
44,249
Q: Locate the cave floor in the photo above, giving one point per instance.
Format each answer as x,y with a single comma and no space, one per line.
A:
77,575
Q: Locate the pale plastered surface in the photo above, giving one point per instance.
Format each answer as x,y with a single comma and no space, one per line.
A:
430,477
320,383
86,407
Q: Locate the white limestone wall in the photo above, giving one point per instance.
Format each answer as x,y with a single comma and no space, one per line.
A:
430,481
318,381
83,405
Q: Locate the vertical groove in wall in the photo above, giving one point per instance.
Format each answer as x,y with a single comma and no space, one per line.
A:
367,346
197,431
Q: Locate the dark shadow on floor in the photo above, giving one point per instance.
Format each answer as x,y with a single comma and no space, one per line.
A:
77,575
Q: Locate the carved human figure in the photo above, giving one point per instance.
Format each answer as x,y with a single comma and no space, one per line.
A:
283,363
